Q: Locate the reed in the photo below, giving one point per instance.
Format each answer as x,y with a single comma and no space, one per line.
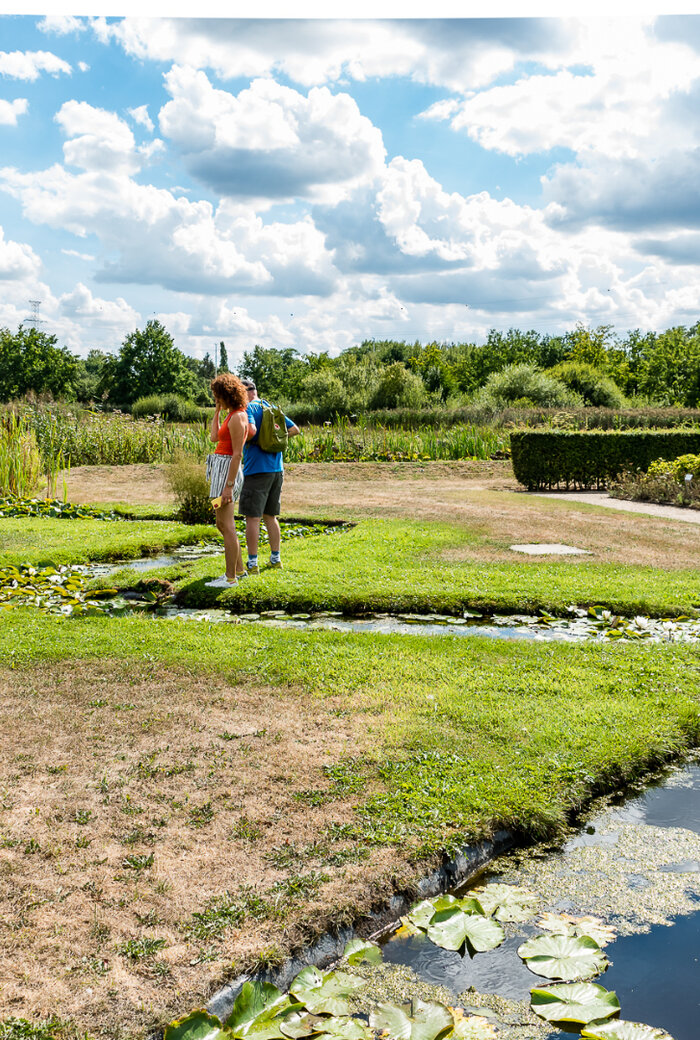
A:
20,462
345,442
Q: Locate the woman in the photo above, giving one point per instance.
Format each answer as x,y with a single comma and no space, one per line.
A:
224,471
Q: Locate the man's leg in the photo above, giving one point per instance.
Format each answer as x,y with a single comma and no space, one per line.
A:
252,539
273,532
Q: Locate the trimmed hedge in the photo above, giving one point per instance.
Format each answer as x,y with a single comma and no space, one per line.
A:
578,459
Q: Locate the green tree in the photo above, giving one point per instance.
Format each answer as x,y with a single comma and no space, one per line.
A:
30,362
223,358
670,368
149,363
267,367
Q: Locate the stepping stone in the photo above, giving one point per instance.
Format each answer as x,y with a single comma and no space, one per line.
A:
550,549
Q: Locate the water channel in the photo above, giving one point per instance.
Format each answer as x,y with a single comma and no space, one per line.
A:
635,865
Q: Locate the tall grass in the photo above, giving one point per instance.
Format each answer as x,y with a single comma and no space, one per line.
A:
343,442
95,438
20,462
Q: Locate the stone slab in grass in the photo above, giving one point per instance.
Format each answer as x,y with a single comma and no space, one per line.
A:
550,549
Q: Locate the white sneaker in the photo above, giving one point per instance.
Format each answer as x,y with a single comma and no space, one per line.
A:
221,583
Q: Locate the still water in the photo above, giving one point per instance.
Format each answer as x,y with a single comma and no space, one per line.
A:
650,845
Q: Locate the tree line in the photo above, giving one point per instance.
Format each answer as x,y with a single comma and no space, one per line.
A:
584,366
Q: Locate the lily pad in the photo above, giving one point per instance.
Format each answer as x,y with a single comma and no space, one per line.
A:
359,951
198,1025
472,1027
565,924
429,1021
578,1003
451,928
302,1023
345,1029
324,993
507,902
624,1031
256,1003
566,957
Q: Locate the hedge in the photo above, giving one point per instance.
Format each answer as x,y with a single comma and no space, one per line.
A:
578,459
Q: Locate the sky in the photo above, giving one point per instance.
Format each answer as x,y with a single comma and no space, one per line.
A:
310,183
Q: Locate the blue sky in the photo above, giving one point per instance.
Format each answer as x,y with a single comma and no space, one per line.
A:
312,182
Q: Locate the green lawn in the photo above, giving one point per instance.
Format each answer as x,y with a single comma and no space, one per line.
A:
469,734
384,565
41,540
409,566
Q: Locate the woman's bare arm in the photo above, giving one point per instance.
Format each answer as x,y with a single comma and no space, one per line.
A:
214,428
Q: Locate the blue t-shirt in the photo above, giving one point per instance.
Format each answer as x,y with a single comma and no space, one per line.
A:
255,460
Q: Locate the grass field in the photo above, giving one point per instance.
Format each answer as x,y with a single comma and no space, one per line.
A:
182,800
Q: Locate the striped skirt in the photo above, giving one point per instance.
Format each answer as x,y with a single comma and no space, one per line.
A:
217,474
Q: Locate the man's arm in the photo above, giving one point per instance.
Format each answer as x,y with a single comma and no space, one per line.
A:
293,430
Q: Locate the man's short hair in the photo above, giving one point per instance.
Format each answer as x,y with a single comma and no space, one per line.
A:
248,384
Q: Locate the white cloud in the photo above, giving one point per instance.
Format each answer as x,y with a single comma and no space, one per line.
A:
459,54
10,110
611,91
269,141
98,140
61,24
83,66
80,256
28,65
140,115
81,306
17,260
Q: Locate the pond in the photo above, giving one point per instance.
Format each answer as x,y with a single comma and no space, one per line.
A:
636,866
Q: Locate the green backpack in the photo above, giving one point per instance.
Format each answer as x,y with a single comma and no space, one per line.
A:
272,435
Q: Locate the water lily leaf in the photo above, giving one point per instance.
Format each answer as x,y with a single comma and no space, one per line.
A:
507,902
578,1002
387,1018
199,1025
565,924
256,1002
421,915
623,1031
451,928
344,1029
324,994
359,951
302,1023
566,957
430,1021
472,1027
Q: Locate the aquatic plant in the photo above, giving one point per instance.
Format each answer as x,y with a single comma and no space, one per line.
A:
565,957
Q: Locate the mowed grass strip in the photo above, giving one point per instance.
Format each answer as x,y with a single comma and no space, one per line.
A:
43,540
183,800
399,565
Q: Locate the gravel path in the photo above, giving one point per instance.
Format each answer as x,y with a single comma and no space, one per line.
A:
597,498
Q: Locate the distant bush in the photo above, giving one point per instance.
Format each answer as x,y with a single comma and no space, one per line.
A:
398,388
171,407
526,384
186,479
595,387
326,392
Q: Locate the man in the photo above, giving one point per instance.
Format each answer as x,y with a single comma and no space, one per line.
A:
263,473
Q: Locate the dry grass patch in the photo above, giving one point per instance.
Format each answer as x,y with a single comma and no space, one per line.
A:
134,797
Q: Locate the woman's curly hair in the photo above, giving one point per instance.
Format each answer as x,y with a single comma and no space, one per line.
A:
229,389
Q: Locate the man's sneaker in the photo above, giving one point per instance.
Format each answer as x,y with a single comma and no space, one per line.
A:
241,575
221,583
277,564
252,568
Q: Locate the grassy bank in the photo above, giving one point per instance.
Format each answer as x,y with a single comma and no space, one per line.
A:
404,566
225,794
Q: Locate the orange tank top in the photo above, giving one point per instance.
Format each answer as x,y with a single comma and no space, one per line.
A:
224,446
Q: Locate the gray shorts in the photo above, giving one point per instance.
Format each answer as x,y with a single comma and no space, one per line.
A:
261,494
